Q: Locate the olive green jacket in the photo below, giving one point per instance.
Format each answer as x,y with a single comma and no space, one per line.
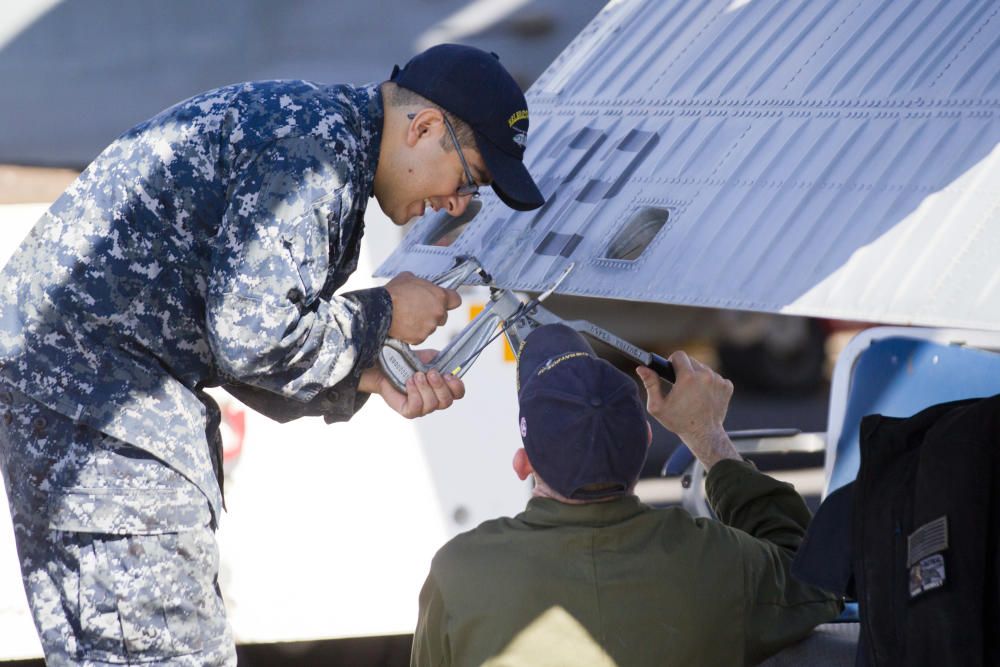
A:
621,583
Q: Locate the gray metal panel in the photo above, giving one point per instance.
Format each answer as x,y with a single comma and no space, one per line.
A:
815,157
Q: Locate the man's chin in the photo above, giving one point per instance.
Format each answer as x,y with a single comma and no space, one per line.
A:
398,218
403,216
411,219
395,217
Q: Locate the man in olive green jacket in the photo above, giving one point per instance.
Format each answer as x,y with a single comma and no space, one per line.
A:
587,574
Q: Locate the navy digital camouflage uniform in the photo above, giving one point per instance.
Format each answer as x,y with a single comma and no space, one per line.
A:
202,248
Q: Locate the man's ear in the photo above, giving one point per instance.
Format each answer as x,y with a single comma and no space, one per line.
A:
424,123
522,466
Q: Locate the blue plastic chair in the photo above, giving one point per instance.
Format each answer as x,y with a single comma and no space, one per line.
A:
897,372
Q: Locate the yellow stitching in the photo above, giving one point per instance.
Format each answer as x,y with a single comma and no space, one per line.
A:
549,365
517,375
552,363
519,115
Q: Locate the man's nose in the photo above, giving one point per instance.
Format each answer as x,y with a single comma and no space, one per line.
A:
456,205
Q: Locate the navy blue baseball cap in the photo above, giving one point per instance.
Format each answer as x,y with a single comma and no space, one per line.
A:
582,421
473,85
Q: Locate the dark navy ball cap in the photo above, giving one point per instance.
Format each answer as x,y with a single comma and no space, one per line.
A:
582,421
473,85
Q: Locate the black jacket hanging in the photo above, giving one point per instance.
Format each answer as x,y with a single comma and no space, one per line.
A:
924,547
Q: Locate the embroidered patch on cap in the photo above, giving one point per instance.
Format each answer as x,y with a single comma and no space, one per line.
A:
524,427
517,116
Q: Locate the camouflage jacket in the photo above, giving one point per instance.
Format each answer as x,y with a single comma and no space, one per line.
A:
203,248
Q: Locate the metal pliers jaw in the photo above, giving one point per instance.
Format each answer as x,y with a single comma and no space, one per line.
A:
400,363
514,317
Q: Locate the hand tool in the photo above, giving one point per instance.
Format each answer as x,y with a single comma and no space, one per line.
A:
514,318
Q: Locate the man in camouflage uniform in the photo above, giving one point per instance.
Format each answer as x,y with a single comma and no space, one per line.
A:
204,248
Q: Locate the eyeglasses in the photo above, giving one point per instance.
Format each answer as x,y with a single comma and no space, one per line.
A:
471,188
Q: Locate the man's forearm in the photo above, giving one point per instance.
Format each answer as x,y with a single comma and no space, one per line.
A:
711,448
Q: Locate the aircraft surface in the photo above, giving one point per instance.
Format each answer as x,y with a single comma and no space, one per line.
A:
827,159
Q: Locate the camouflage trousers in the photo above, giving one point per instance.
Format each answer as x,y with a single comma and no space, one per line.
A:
118,554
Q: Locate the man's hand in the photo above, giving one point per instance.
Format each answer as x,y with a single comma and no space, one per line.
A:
425,392
418,307
694,409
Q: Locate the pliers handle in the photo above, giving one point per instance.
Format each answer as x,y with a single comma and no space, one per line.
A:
536,315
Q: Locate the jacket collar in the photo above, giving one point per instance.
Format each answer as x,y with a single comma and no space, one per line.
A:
550,512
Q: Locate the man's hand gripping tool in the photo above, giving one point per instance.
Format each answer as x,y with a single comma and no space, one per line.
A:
515,318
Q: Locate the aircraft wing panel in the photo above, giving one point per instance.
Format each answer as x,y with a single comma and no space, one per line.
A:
823,158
